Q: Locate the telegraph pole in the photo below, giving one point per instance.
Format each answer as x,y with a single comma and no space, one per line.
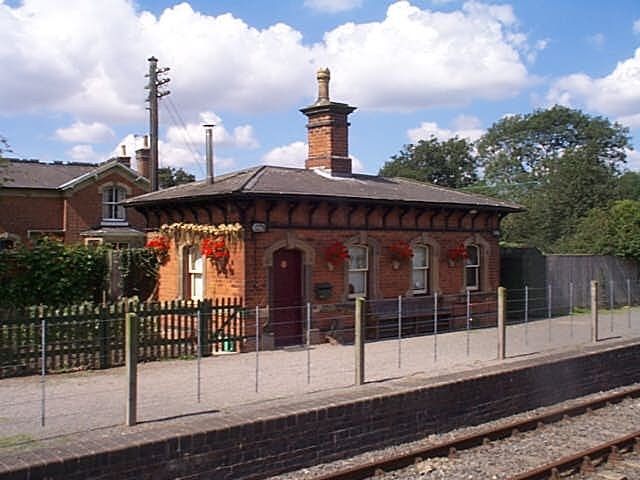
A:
154,95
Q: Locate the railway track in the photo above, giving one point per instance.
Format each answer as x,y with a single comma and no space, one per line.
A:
461,456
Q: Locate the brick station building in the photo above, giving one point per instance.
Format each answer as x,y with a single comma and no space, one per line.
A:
292,217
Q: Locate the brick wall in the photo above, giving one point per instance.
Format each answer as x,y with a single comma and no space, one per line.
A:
30,211
330,429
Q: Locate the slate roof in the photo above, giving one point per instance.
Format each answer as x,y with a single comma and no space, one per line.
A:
35,174
271,181
56,175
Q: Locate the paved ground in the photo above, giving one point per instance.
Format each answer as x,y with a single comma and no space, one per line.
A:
168,390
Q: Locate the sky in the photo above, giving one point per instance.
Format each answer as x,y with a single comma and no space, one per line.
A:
72,86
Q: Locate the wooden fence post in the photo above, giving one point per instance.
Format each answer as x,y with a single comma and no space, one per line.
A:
594,311
103,338
204,327
502,315
359,340
131,360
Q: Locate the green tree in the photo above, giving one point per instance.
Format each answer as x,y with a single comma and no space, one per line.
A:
559,163
449,163
170,177
629,186
607,231
51,273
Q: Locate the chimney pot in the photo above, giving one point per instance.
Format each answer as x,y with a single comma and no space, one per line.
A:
323,76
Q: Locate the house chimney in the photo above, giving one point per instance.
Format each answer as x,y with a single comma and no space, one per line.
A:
124,158
143,159
328,131
209,151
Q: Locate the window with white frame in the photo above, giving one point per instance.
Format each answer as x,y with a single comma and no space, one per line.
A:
420,269
195,267
472,268
111,210
358,270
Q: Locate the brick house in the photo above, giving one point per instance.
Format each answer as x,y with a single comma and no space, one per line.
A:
293,219
74,202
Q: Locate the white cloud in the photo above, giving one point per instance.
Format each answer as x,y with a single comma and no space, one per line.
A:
597,40
292,155
332,6
616,95
633,160
194,133
295,154
464,126
84,153
420,58
636,26
88,59
85,132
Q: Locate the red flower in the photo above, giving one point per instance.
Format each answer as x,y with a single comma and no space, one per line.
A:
160,245
401,251
458,253
217,251
336,253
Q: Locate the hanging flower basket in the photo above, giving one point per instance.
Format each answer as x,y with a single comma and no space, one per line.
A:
400,251
160,245
335,254
456,254
217,252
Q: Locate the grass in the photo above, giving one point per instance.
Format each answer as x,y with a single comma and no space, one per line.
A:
14,440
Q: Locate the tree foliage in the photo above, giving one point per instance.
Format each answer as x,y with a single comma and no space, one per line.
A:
170,177
51,273
608,231
559,163
448,163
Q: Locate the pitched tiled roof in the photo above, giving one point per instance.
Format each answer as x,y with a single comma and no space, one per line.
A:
276,181
35,174
54,176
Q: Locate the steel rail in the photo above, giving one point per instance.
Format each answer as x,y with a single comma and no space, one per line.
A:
583,461
450,447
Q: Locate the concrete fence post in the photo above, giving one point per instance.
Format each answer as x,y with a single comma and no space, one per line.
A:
502,329
131,362
359,340
594,311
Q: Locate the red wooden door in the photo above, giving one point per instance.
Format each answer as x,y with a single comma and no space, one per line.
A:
286,312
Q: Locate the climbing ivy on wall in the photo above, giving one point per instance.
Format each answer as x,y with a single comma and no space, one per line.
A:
139,272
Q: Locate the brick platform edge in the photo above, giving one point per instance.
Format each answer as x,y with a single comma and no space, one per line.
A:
330,425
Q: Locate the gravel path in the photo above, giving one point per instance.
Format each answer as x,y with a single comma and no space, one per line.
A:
502,459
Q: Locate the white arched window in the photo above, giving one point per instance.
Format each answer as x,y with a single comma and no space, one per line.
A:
195,271
358,270
472,268
420,283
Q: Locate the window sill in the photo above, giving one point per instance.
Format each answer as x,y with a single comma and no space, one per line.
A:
114,223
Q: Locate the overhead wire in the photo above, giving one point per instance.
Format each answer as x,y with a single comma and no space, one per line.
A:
177,121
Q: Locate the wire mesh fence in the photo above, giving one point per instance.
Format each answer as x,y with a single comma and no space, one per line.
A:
221,355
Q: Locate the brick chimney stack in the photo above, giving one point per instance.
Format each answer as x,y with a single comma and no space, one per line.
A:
143,159
124,158
328,131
